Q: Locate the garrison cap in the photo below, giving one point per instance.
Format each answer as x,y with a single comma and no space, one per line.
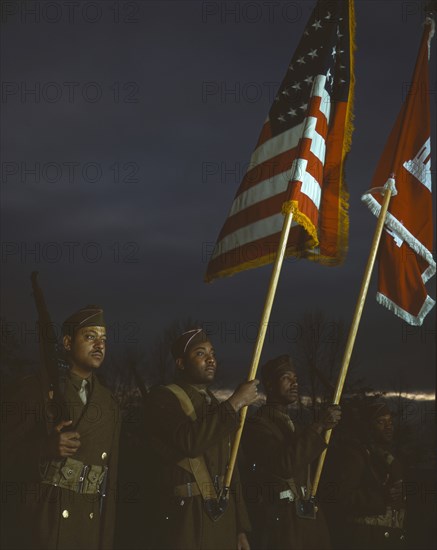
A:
274,368
187,340
376,409
88,316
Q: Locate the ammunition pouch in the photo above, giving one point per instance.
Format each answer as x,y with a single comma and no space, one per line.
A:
75,475
391,519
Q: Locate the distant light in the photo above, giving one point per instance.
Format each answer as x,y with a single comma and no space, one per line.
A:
224,394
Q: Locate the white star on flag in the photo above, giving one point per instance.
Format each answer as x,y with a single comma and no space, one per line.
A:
299,156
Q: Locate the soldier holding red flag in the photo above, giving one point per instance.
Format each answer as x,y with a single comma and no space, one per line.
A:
279,454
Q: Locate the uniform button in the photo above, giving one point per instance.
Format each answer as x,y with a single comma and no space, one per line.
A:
387,535
65,514
91,515
104,456
69,472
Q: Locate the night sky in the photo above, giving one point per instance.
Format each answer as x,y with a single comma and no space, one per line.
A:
126,128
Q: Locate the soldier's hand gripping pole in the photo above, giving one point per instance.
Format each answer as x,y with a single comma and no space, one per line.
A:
259,345
387,192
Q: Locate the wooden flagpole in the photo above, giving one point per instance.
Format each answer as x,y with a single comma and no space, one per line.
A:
387,190
259,343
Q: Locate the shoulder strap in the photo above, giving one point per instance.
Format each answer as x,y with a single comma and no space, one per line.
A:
184,400
195,466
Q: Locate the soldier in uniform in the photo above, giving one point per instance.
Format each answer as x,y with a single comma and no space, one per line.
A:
279,454
63,477
191,432
367,508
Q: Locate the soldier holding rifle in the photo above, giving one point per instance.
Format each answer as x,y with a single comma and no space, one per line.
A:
62,447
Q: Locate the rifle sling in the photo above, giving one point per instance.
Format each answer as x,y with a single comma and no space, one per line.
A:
195,466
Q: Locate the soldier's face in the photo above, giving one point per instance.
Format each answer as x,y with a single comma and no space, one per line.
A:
199,364
287,388
86,350
383,428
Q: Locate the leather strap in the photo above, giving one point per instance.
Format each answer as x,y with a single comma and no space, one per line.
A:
195,466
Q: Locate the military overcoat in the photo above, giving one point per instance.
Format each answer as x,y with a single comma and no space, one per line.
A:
275,451
359,514
42,515
182,522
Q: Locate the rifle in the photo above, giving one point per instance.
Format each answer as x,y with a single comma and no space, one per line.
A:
49,354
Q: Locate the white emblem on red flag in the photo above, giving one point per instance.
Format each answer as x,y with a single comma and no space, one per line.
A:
420,166
405,259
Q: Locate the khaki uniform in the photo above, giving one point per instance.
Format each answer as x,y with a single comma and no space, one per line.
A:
46,510
354,486
276,451
182,521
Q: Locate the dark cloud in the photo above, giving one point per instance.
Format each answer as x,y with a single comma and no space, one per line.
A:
184,90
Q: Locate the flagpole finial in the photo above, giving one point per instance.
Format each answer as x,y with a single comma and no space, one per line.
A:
391,184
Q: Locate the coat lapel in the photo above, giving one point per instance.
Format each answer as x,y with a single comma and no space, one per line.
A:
92,416
73,403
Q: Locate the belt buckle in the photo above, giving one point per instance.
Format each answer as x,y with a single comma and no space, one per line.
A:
286,495
189,489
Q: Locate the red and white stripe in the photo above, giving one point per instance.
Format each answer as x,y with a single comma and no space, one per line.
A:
255,214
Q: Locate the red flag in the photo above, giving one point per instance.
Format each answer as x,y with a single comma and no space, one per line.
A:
298,160
405,258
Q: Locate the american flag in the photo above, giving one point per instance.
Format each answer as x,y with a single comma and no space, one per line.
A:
298,159
405,253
